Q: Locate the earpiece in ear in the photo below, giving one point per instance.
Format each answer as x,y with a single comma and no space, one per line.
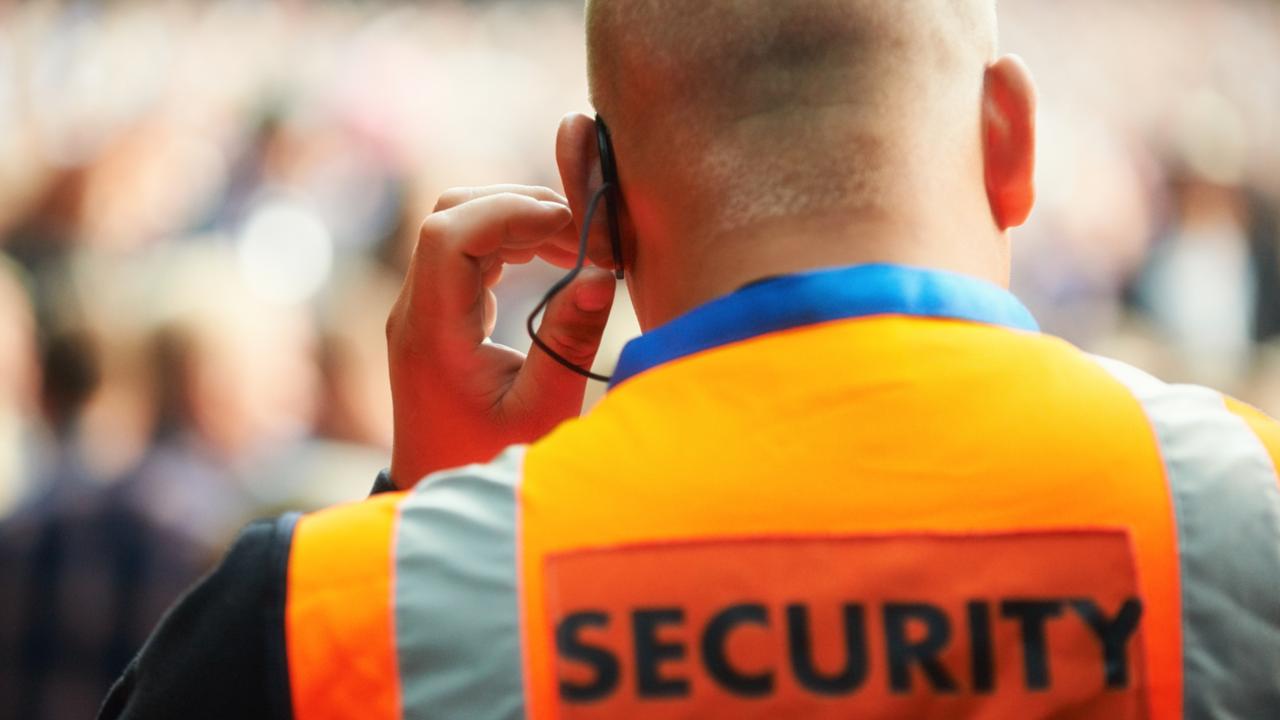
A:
608,194
609,170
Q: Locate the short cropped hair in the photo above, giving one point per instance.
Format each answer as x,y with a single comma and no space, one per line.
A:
780,101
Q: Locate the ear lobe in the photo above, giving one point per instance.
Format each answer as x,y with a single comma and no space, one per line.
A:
1009,140
578,158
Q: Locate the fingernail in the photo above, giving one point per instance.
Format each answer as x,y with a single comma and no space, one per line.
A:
558,207
592,298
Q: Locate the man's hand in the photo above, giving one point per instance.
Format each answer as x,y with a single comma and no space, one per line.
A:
458,398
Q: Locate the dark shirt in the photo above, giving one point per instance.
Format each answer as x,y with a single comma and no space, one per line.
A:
220,652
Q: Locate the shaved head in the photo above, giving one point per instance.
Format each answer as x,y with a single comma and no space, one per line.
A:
787,107
760,137
755,55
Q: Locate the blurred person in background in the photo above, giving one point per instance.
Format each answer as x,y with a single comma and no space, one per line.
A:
83,573
1212,279
235,388
91,560
1212,282
19,386
837,411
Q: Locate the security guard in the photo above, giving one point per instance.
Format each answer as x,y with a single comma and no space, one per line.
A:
841,475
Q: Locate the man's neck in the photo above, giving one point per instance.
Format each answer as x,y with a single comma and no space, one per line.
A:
713,266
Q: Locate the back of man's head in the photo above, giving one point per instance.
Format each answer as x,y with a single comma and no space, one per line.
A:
743,57
729,113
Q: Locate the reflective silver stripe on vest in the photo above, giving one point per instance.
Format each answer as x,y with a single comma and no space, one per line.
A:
457,613
1227,502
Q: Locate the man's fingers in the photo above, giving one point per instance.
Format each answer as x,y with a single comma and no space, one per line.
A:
454,197
486,225
518,256
458,399
467,236
455,256
573,326
565,242
557,257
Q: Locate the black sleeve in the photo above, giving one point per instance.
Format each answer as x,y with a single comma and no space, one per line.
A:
219,652
383,484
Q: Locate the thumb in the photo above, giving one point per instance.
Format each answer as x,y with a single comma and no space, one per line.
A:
573,326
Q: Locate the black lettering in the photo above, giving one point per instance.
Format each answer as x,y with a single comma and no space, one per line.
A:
803,664
903,653
715,651
981,653
1113,634
1033,616
603,662
651,653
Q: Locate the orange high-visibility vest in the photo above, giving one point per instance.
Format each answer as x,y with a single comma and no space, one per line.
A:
872,492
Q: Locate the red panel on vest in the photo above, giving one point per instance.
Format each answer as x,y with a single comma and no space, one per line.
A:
920,626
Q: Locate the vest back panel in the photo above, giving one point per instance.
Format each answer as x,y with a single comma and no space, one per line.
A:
938,442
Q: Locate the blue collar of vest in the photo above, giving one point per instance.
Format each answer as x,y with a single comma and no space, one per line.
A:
793,301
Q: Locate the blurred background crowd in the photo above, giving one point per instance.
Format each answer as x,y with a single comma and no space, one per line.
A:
206,208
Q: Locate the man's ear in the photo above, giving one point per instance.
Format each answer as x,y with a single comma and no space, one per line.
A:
1009,140
578,157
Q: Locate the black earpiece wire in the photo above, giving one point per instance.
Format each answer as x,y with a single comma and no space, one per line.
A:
605,191
609,171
